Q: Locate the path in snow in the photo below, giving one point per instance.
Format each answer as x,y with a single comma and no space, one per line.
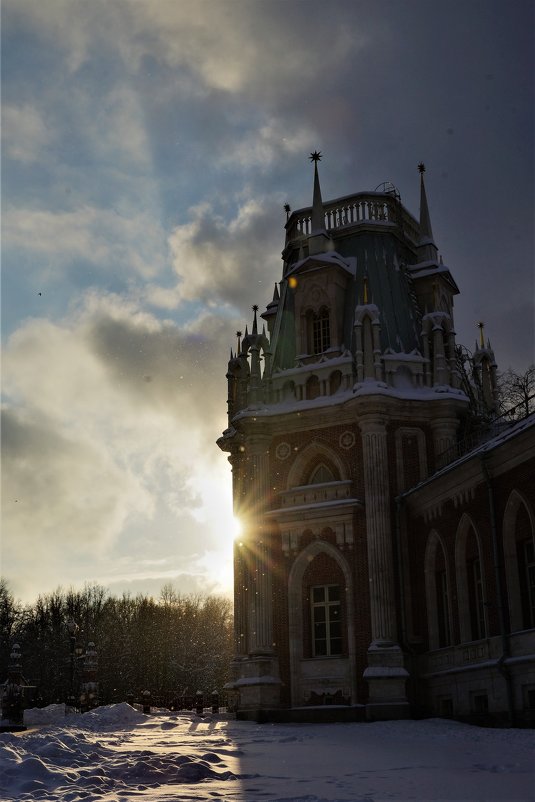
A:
116,754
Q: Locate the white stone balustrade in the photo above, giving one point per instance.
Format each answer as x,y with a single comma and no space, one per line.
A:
370,207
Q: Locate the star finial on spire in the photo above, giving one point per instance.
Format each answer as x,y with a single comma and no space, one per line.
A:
255,307
421,168
316,156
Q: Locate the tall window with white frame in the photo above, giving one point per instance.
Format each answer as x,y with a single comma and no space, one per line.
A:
321,333
326,616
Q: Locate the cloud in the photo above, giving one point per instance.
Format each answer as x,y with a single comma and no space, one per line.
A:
65,487
24,133
232,262
230,46
102,237
108,451
271,141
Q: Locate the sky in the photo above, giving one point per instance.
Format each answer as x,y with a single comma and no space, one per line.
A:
148,148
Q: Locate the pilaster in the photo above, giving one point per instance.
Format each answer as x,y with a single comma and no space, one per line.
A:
385,674
256,682
378,528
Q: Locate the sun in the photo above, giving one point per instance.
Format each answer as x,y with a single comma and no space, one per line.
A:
235,528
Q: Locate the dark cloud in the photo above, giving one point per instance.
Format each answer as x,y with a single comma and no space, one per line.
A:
148,150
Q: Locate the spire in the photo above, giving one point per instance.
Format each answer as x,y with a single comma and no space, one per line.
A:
318,217
276,296
481,327
255,325
238,335
425,221
426,244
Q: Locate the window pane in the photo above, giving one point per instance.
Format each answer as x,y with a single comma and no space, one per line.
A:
318,595
334,593
320,630
320,648
334,612
336,645
335,629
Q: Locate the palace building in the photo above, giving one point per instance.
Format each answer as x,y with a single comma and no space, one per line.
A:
386,566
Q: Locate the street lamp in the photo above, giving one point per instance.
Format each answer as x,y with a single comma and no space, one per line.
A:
72,628
90,684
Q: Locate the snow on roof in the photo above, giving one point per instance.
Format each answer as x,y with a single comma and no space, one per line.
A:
489,445
365,388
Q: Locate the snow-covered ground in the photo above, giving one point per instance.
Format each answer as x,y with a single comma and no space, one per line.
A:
117,754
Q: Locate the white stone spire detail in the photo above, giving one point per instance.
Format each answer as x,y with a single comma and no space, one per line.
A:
428,251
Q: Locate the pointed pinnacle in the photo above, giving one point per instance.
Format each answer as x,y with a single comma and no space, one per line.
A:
425,220
481,327
318,219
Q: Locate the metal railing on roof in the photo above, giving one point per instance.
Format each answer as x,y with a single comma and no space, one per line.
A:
487,430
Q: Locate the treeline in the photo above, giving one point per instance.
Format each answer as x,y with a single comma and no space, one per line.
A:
170,646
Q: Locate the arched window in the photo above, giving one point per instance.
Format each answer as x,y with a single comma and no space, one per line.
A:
470,582
442,600
437,586
324,616
326,619
335,380
321,332
321,474
519,551
288,391
312,387
367,347
476,601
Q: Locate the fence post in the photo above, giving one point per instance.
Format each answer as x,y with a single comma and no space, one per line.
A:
146,702
215,702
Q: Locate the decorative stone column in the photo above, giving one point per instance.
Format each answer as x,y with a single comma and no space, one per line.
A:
378,529
256,670
386,675
444,438
439,371
241,580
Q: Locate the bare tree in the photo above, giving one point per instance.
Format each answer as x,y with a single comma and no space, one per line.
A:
517,393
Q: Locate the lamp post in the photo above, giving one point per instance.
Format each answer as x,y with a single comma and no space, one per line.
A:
72,628
12,693
90,685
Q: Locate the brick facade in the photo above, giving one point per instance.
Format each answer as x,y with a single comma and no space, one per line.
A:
375,570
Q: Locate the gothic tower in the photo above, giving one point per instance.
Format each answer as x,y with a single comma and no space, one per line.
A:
346,398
